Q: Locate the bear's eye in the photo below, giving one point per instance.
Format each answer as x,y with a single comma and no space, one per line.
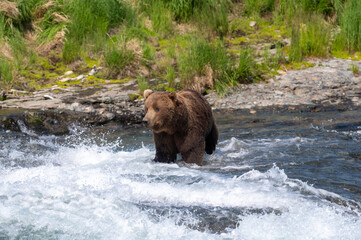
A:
156,109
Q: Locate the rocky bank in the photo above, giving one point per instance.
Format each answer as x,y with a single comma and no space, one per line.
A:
329,84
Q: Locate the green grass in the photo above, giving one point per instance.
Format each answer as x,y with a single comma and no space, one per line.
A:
142,84
90,22
116,59
355,69
247,70
258,7
148,54
315,37
178,39
6,72
311,38
290,9
161,18
201,53
350,23
210,14
171,75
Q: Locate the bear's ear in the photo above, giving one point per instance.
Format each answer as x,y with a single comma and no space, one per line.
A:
146,93
173,96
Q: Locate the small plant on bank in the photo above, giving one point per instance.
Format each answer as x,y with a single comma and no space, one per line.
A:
161,18
116,59
171,77
200,54
310,39
148,54
6,72
355,69
350,23
315,37
142,83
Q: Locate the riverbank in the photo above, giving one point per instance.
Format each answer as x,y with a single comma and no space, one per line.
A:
328,85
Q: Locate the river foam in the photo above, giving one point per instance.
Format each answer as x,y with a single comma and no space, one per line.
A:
92,191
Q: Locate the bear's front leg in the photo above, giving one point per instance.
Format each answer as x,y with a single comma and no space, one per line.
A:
166,150
194,154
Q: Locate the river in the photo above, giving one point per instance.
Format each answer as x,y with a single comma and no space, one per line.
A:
273,176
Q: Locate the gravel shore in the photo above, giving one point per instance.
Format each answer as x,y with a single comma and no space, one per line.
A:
329,84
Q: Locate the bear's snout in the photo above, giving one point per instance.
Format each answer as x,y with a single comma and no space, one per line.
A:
145,121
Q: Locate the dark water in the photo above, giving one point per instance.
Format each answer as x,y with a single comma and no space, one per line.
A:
273,176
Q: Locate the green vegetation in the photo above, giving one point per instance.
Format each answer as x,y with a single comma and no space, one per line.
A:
201,54
142,84
6,72
350,23
201,44
355,69
116,59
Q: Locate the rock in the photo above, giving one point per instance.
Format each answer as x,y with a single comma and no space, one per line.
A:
66,79
75,107
93,71
109,115
68,73
48,97
252,23
80,77
3,95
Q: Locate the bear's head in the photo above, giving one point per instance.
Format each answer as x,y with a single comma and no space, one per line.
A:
160,108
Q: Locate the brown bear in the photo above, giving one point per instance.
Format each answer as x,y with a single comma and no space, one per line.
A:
182,123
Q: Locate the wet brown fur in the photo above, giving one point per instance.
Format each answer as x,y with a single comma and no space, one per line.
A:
182,123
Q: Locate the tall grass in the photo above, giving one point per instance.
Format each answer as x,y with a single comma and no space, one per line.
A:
201,53
142,83
258,7
117,58
315,37
289,9
208,13
90,22
226,72
350,23
171,77
161,18
6,72
247,70
311,38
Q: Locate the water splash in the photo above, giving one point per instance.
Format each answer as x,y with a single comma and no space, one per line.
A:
89,189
